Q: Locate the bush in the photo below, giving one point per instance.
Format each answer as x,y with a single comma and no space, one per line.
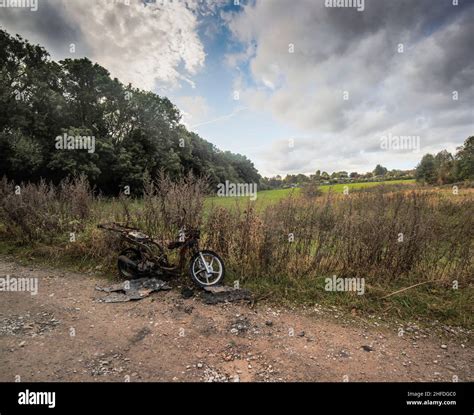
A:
170,205
311,190
40,211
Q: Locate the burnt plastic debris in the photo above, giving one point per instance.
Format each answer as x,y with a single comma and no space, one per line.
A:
132,290
142,287
223,294
187,293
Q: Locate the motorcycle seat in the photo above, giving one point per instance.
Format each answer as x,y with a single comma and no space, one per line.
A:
175,244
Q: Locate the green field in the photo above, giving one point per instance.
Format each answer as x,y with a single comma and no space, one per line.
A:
267,197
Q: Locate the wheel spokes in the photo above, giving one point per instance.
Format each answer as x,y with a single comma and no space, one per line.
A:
204,268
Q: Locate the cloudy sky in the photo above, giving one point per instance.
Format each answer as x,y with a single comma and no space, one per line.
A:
293,84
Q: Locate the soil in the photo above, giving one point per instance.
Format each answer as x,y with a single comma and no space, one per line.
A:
64,334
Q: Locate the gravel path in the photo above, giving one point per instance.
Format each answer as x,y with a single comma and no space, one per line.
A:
64,334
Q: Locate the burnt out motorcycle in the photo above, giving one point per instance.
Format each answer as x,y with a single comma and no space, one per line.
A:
145,256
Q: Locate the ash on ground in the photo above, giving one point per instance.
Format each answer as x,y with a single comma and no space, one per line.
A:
132,290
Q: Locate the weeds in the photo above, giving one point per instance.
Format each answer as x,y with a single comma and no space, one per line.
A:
377,235
41,212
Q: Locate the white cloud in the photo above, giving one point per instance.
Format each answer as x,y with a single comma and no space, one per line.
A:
141,44
147,45
194,109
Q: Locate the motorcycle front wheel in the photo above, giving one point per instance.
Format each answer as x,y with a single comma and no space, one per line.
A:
207,268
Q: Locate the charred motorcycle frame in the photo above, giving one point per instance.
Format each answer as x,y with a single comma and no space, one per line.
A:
146,256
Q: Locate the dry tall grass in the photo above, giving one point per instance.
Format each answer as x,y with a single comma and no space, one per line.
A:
387,236
376,235
39,212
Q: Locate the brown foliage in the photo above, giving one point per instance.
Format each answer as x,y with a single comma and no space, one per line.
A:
377,235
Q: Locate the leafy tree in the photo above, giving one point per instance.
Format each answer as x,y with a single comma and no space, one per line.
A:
464,160
444,168
24,154
135,131
426,170
444,163
75,162
380,170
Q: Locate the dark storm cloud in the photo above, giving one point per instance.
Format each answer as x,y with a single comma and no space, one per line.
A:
49,26
342,49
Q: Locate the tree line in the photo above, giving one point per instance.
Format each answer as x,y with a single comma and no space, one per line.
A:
445,168
319,178
439,169
50,108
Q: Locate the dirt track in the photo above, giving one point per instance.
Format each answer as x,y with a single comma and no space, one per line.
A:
167,338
